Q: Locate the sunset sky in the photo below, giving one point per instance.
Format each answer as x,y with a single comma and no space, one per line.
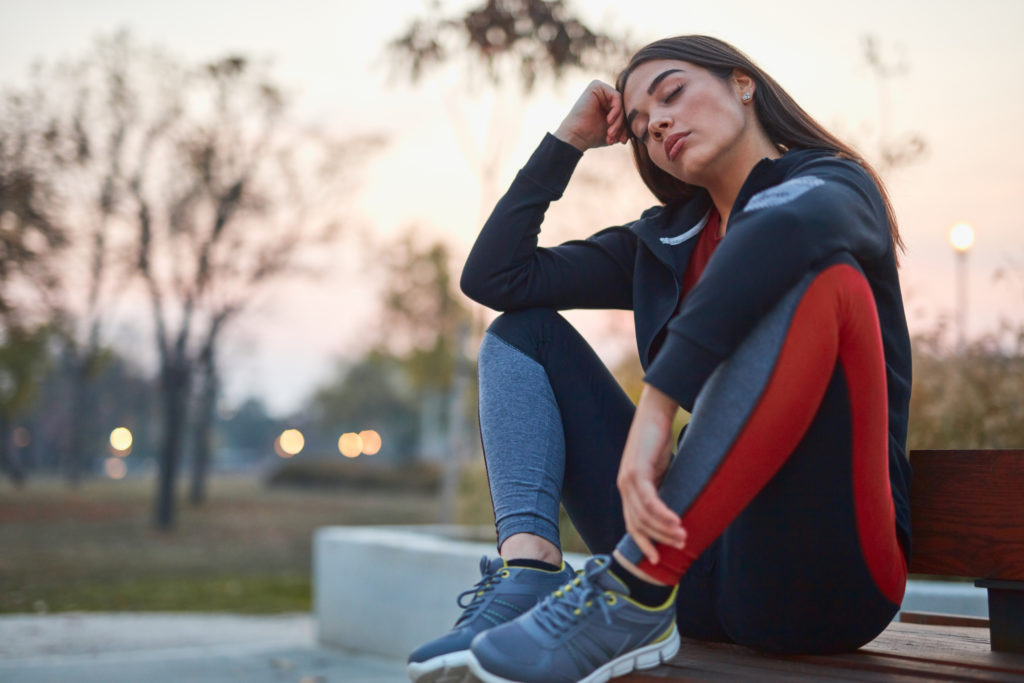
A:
960,93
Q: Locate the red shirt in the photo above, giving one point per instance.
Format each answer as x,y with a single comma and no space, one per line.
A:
702,251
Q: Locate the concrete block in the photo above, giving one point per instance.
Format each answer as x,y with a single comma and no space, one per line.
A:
386,590
946,597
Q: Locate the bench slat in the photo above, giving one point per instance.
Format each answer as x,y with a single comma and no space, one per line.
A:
902,652
967,512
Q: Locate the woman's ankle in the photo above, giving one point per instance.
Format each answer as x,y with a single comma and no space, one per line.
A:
524,546
635,570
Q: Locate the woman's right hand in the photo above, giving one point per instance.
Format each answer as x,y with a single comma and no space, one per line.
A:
595,120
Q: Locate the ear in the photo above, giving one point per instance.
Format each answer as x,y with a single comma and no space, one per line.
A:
743,83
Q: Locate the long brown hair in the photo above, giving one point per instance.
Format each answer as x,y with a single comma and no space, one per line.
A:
788,126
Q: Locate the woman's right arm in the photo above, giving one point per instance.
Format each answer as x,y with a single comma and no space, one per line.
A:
506,270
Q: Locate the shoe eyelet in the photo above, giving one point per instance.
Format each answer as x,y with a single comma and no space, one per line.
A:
505,574
611,599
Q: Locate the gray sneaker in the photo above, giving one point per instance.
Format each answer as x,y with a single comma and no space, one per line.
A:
502,594
588,631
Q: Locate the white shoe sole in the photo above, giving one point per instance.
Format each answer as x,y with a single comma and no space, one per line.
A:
452,667
646,657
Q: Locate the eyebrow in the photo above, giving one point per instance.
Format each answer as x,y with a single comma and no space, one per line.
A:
650,91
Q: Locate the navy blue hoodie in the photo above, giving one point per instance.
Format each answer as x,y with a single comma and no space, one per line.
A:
791,214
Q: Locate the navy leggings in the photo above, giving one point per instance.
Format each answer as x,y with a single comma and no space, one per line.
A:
781,477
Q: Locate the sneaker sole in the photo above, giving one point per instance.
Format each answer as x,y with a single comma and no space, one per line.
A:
452,667
646,657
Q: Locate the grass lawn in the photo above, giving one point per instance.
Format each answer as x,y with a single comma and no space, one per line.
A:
248,549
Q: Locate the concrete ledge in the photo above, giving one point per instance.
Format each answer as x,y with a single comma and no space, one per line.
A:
947,597
386,590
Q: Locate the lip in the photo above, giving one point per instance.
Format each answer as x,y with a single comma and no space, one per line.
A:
674,145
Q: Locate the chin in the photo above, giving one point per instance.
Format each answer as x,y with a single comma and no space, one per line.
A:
688,173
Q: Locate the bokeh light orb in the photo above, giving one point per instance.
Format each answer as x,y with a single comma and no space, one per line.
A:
291,442
961,236
371,441
350,445
121,440
115,468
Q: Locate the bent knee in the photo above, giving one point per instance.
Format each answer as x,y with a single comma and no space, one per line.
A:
524,329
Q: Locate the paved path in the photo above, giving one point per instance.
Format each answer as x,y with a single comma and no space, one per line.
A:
161,648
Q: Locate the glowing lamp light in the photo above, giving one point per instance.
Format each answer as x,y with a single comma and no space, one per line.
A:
371,442
961,236
291,442
351,445
121,441
115,468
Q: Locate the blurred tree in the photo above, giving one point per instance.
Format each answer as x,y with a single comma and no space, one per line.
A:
892,151
23,359
426,323
30,240
122,396
374,393
30,235
249,432
525,39
224,189
196,181
422,309
93,117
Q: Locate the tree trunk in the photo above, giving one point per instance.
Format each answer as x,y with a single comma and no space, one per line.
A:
76,440
455,457
202,444
175,378
8,463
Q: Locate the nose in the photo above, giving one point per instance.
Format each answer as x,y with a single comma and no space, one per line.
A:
659,127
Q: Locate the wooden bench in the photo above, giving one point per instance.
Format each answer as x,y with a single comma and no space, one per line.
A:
967,517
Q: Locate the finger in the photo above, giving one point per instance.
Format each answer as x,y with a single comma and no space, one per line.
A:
613,134
671,535
657,519
645,545
633,512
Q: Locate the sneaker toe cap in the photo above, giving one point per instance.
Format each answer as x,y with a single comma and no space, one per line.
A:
453,641
509,652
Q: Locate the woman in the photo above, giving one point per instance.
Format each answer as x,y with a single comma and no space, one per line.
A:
767,303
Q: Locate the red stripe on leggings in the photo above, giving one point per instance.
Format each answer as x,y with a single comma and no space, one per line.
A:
835,319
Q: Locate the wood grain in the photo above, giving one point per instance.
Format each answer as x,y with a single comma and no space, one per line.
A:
967,513
904,652
937,619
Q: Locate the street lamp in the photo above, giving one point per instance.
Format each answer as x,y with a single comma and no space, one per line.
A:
962,239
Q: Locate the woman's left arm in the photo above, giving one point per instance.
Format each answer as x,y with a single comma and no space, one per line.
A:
645,458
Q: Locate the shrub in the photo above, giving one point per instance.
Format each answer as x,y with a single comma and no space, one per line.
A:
421,477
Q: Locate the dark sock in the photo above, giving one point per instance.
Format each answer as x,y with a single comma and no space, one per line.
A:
534,564
647,594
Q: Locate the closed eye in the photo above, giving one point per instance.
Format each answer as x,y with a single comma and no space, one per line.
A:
675,91
668,98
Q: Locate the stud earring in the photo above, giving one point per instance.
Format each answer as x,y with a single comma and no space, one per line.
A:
746,97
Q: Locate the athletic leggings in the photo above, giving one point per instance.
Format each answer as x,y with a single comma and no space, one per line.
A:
781,477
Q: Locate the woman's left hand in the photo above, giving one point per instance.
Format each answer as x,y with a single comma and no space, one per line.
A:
644,461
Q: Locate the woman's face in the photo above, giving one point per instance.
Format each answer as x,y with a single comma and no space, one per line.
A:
688,119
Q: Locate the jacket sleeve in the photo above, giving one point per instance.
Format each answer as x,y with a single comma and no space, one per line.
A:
827,207
506,270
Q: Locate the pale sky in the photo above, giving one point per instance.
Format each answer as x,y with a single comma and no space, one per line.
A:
960,94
